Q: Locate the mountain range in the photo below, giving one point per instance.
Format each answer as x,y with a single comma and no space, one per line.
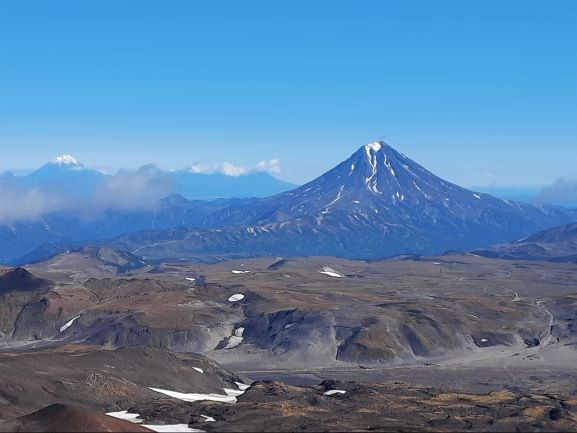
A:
60,231
72,178
377,203
557,244
63,203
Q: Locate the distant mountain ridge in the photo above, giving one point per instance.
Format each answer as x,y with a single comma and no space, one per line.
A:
65,174
71,176
557,244
201,186
377,203
77,204
57,232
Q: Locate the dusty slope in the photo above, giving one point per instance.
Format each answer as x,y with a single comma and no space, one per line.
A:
275,406
108,380
63,418
294,313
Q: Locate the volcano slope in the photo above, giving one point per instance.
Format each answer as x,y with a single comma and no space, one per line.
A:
100,379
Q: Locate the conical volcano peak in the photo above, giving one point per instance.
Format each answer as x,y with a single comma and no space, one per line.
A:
66,159
381,146
376,146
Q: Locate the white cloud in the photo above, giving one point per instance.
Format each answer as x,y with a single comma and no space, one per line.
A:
20,203
233,170
127,190
203,168
132,189
563,192
271,166
230,169
139,189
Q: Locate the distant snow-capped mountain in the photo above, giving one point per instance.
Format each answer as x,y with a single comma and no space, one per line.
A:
66,175
68,160
69,176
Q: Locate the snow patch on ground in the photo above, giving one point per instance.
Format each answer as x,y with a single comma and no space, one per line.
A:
335,391
232,392
229,397
236,297
171,428
242,386
236,339
68,324
127,416
330,272
236,271
192,397
200,370
208,418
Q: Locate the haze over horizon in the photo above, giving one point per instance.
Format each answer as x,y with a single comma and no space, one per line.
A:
302,83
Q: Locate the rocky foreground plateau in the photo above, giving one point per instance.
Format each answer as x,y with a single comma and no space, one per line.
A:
456,342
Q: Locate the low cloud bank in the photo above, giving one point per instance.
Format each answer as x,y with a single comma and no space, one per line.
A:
21,203
561,192
127,190
132,189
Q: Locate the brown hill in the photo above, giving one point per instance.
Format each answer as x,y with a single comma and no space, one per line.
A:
64,418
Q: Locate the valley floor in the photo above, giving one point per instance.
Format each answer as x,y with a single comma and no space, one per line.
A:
465,342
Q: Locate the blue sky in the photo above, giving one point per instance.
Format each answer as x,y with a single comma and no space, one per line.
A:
478,91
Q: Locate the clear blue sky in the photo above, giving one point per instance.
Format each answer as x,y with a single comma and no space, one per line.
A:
478,91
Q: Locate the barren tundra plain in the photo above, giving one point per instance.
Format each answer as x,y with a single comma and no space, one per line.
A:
455,342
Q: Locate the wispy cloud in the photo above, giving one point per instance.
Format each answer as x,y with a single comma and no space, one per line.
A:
271,166
132,189
230,169
140,189
563,192
125,190
21,203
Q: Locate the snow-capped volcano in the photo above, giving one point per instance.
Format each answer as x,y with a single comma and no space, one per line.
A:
67,160
66,175
377,203
378,176
376,179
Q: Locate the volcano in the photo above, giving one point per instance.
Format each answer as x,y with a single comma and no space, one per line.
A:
378,203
